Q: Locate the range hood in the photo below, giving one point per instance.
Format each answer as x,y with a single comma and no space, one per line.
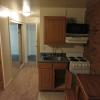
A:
80,40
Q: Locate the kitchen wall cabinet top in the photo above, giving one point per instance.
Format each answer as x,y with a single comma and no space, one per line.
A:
54,30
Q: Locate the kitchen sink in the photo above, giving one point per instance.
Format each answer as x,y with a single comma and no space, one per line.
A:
48,58
54,58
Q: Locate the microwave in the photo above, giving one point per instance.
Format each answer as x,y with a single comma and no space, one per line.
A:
77,29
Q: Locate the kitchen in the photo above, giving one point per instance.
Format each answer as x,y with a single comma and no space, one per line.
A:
53,65
71,49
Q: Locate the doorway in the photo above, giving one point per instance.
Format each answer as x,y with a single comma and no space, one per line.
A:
1,68
16,46
31,42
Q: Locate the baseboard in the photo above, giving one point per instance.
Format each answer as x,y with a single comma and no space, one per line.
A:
7,84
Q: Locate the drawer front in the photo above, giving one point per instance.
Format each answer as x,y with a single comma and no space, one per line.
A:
45,65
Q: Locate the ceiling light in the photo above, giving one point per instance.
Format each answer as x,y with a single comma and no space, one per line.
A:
26,14
4,12
26,8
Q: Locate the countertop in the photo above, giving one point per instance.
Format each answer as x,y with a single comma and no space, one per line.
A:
53,58
90,84
53,61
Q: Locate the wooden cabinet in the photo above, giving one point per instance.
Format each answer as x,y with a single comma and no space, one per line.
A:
88,87
54,30
59,70
68,80
45,76
51,76
70,90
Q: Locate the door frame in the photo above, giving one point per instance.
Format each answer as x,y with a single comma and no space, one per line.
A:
19,41
2,81
26,54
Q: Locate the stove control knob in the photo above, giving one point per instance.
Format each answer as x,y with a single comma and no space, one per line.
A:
86,65
79,65
73,65
83,65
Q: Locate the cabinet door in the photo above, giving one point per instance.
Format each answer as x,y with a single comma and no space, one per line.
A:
45,76
59,66
68,80
59,71
54,30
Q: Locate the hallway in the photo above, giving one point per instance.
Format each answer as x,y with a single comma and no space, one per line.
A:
25,87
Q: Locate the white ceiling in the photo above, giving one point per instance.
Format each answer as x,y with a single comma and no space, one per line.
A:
45,3
36,4
64,3
18,4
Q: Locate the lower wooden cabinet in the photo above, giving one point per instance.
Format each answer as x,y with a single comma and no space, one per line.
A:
45,76
51,76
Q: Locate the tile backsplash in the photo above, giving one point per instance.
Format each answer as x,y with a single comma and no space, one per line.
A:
67,49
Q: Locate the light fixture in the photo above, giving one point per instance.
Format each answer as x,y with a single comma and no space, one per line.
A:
26,14
26,8
4,12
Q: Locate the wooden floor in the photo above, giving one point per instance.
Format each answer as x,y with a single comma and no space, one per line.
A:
51,96
25,87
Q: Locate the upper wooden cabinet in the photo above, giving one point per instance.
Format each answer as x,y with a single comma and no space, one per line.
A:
54,30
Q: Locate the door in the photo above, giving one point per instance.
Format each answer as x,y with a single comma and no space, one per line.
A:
14,41
31,42
16,46
20,43
45,76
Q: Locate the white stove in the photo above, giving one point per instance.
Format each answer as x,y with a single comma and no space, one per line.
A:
78,64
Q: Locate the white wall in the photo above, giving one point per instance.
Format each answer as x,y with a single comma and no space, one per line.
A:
6,54
5,46
76,13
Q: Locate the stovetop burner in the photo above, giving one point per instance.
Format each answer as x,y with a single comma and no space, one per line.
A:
77,59
83,59
74,59
71,57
